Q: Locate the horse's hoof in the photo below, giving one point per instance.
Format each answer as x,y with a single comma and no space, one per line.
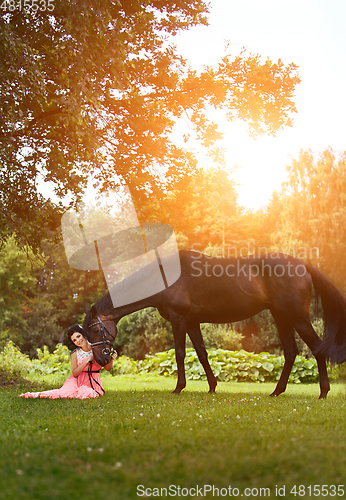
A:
178,390
212,386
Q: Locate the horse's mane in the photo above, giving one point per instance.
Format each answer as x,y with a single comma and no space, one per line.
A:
105,304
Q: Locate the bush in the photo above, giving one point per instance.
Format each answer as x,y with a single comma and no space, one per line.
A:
12,362
233,366
41,327
124,365
226,365
144,332
217,336
58,361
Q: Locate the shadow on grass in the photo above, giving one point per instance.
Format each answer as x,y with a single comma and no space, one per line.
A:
16,382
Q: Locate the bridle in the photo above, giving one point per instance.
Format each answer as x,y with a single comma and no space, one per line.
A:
108,346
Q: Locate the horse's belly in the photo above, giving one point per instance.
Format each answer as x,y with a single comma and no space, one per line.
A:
226,313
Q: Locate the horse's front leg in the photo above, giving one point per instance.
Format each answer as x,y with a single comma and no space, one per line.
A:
179,333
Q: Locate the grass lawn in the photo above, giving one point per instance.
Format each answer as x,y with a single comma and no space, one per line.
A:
140,438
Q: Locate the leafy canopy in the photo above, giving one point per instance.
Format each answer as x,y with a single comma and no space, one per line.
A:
98,87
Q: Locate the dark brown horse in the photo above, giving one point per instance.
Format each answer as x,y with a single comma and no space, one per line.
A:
219,290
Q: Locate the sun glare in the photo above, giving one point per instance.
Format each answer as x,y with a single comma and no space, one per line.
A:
259,166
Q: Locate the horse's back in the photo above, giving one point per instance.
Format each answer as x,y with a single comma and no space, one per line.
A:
236,288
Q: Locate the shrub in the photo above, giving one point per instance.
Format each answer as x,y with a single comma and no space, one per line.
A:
12,362
217,336
124,365
233,365
144,332
57,361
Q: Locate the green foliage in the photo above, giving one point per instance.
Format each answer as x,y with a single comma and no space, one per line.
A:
311,211
12,362
232,365
42,328
227,366
17,280
221,336
144,332
212,212
46,362
41,295
66,289
99,86
124,365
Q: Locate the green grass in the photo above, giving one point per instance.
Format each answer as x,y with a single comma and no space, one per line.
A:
141,434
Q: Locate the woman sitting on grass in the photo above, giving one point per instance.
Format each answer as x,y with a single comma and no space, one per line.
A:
85,381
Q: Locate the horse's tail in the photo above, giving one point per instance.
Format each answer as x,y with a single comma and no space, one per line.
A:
334,310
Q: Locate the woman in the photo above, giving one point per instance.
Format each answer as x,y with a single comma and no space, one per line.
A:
85,381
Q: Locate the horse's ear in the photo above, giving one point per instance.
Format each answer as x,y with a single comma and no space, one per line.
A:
93,311
86,310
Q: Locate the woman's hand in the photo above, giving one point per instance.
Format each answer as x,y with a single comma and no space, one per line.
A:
114,356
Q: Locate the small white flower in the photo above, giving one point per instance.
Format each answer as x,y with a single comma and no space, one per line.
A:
158,415
141,414
89,449
238,417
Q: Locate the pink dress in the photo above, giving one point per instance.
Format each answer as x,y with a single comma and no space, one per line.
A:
86,385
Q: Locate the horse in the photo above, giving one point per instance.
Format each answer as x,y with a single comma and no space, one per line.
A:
227,290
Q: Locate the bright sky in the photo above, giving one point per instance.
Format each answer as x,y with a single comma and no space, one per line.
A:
309,33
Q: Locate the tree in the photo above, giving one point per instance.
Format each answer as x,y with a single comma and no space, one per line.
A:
211,214
68,290
42,296
17,279
98,87
313,212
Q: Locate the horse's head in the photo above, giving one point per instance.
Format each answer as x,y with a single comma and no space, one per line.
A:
100,330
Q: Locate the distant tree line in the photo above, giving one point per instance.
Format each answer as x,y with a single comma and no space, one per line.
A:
41,295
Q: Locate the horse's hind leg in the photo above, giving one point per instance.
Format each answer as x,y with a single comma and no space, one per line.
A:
313,341
195,335
179,333
286,335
